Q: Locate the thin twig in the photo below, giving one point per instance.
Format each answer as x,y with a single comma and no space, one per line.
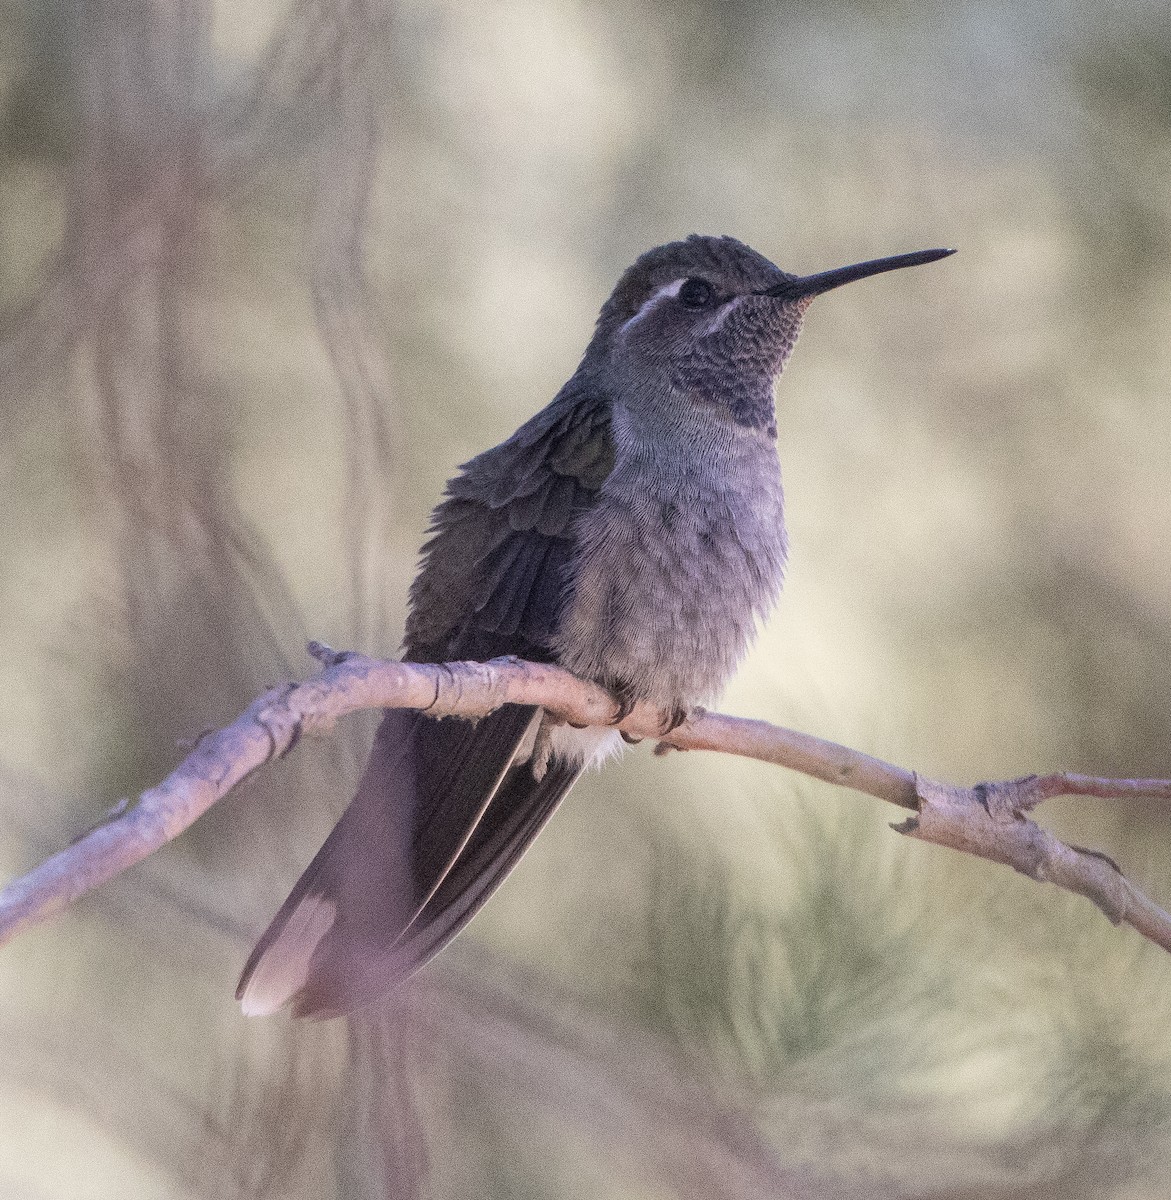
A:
989,820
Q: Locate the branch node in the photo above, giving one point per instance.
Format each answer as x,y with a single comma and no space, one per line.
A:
434,699
323,653
1099,855
112,814
294,738
279,722
192,743
1004,801
327,655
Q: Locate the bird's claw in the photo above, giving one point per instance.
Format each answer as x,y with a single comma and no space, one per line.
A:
675,718
623,695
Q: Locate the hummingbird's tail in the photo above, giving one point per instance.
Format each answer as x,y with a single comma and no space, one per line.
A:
443,812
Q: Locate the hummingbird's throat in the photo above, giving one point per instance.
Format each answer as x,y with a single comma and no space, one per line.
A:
737,368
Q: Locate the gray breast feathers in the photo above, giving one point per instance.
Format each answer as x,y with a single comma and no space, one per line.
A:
676,564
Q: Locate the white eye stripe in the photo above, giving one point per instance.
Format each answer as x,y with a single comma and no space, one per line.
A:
670,291
667,291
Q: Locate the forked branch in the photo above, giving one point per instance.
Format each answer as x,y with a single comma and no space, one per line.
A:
989,820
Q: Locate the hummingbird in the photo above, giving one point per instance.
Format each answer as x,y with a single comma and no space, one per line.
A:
631,532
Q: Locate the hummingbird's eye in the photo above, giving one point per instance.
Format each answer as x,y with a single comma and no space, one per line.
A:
696,293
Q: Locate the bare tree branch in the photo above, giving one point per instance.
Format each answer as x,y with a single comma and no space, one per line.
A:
988,820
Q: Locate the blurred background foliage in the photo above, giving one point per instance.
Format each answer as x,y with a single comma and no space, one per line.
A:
269,271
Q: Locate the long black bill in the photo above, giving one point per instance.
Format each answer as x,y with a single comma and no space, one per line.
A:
813,285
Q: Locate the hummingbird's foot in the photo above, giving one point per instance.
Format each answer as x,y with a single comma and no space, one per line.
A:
671,722
674,719
625,697
543,749
631,739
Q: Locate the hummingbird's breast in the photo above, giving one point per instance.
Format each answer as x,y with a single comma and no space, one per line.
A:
676,564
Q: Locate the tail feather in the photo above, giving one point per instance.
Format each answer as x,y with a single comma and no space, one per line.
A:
516,815
438,820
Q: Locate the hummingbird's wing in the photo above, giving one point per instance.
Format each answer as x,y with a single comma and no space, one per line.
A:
494,578
446,807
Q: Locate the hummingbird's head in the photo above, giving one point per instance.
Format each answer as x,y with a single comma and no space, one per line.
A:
708,321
